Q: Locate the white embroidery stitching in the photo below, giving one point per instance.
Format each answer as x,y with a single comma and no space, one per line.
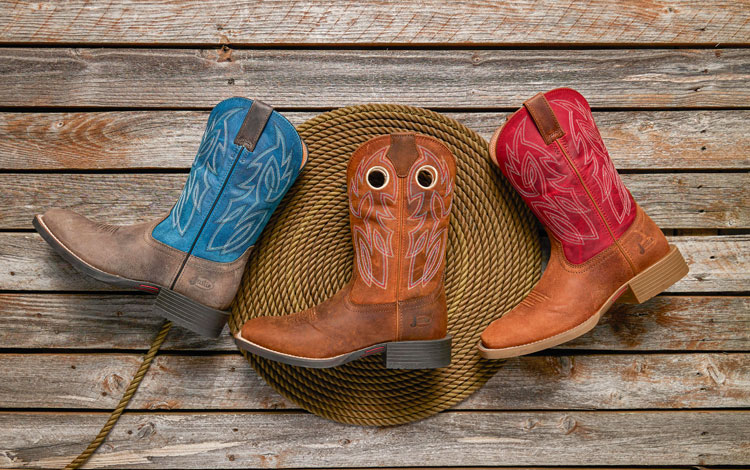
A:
271,172
214,145
369,239
428,237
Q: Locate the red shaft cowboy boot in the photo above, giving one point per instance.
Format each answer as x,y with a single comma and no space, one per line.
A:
604,248
400,193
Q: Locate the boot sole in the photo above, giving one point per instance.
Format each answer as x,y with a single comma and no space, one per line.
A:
425,354
169,304
653,280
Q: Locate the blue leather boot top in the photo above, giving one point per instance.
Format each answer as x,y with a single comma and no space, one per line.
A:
231,191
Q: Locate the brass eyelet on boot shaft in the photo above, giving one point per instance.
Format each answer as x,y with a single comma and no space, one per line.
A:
426,177
377,177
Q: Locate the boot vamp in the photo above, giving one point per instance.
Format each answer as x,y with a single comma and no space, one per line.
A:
565,297
125,251
330,329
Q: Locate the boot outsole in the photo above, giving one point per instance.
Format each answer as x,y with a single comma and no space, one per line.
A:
169,304
653,280
424,354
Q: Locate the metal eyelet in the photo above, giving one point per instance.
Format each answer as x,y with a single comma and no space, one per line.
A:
426,177
377,177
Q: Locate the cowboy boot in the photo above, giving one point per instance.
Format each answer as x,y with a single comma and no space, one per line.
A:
193,258
604,248
400,193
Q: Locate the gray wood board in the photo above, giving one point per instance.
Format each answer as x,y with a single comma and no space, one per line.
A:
374,22
672,200
251,439
226,382
288,78
643,140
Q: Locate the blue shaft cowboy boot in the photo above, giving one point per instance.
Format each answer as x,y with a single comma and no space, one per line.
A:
193,258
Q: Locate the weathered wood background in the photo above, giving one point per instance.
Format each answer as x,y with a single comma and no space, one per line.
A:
102,105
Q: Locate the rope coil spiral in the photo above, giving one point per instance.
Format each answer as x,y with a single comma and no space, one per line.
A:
305,255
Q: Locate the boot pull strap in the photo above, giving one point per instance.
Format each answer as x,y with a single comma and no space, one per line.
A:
545,120
403,153
253,125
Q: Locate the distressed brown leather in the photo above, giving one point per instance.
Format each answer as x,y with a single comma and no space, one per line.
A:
544,118
211,283
399,234
569,294
131,252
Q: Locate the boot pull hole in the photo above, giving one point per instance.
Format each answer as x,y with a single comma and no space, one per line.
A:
377,177
426,177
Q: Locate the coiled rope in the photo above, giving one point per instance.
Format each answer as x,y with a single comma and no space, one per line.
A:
305,255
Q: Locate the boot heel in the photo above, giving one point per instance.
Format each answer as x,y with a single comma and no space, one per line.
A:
427,354
656,279
190,314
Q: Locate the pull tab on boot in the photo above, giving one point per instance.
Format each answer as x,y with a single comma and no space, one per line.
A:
544,118
403,153
253,125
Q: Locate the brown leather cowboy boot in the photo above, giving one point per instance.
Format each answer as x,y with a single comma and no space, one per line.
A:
400,193
193,258
604,248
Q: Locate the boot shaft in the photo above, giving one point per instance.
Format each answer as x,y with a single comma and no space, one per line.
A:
247,160
552,153
400,196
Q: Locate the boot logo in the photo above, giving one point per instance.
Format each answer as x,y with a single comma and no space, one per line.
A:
201,282
643,246
420,320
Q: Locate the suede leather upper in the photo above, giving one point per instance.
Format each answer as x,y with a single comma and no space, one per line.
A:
231,192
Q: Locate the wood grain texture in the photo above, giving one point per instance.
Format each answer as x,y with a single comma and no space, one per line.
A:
122,321
240,440
647,78
682,200
651,140
374,22
226,381
717,264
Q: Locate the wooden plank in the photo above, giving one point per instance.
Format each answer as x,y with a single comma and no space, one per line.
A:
74,321
682,200
647,78
226,381
169,139
234,440
717,264
374,22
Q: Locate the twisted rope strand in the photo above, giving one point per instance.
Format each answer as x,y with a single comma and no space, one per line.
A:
129,392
